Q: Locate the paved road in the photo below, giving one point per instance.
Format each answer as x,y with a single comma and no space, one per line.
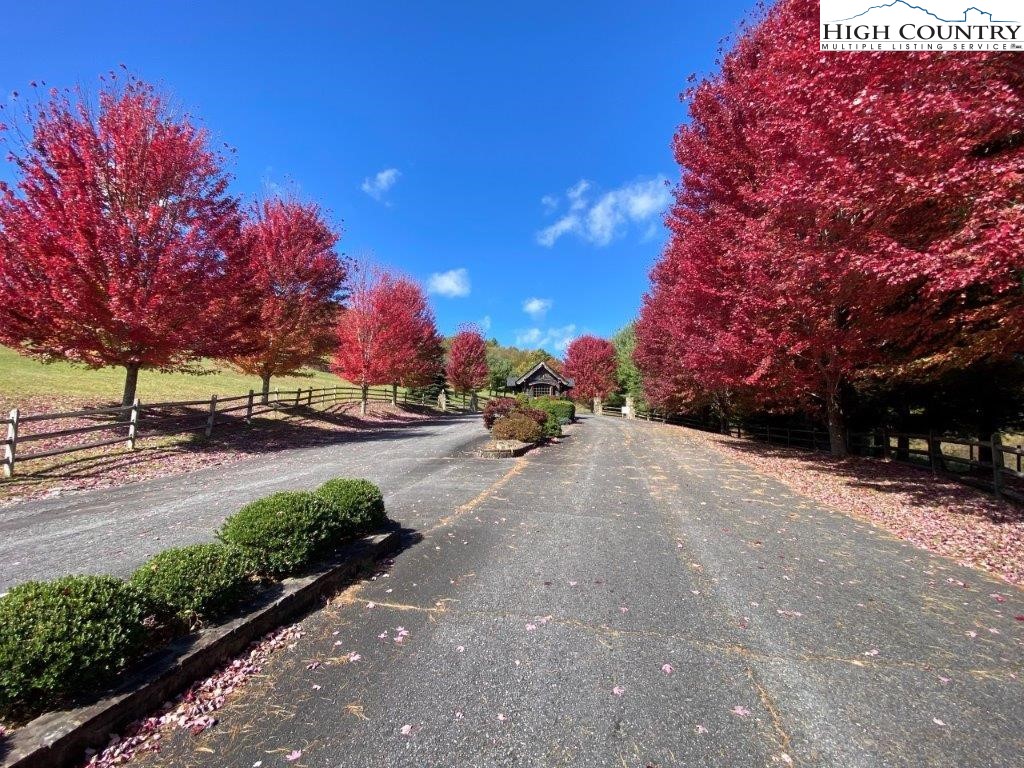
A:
540,615
419,466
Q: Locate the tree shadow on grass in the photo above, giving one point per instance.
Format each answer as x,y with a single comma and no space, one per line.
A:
918,486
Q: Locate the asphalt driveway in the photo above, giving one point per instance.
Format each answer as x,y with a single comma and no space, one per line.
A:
420,466
629,598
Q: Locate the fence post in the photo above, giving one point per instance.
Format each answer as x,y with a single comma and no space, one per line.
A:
298,394
133,425
309,397
212,417
931,451
997,464
10,447
886,449
248,408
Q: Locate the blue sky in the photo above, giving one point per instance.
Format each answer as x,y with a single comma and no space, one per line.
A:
512,157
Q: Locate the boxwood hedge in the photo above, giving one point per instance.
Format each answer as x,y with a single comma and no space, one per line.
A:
284,531
197,583
65,637
358,504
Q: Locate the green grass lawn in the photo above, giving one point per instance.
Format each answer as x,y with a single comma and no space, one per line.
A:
23,379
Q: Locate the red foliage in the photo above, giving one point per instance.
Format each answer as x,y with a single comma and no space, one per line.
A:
841,216
467,361
292,281
497,407
112,243
386,334
590,363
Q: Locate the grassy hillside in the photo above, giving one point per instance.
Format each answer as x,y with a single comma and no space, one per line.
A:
24,380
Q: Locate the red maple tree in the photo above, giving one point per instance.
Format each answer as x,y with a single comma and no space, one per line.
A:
386,334
112,241
292,280
466,369
841,217
590,363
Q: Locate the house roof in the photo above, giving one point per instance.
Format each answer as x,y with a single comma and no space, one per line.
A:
515,382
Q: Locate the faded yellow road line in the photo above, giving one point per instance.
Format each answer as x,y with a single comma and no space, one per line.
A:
475,502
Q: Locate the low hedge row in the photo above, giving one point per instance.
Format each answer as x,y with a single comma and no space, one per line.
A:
548,412
563,410
66,637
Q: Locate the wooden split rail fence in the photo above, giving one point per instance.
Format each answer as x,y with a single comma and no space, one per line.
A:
123,424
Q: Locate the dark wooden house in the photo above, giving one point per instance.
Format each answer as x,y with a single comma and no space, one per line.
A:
540,380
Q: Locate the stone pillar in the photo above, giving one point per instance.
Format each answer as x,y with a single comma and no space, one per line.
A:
473,403
628,410
442,400
597,406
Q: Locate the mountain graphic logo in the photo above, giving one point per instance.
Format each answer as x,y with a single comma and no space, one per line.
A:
903,5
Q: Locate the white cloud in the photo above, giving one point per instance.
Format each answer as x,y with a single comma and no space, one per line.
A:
452,284
575,195
611,214
549,235
550,203
551,339
376,186
528,337
536,308
485,323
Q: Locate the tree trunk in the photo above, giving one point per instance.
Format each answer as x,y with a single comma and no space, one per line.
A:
131,382
836,428
394,394
265,396
363,398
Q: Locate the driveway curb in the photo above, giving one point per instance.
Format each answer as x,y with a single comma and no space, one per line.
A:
58,739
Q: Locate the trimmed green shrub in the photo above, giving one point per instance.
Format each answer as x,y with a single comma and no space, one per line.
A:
565,410
197,583
517,426
552,426
282,532
65,637
358,504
